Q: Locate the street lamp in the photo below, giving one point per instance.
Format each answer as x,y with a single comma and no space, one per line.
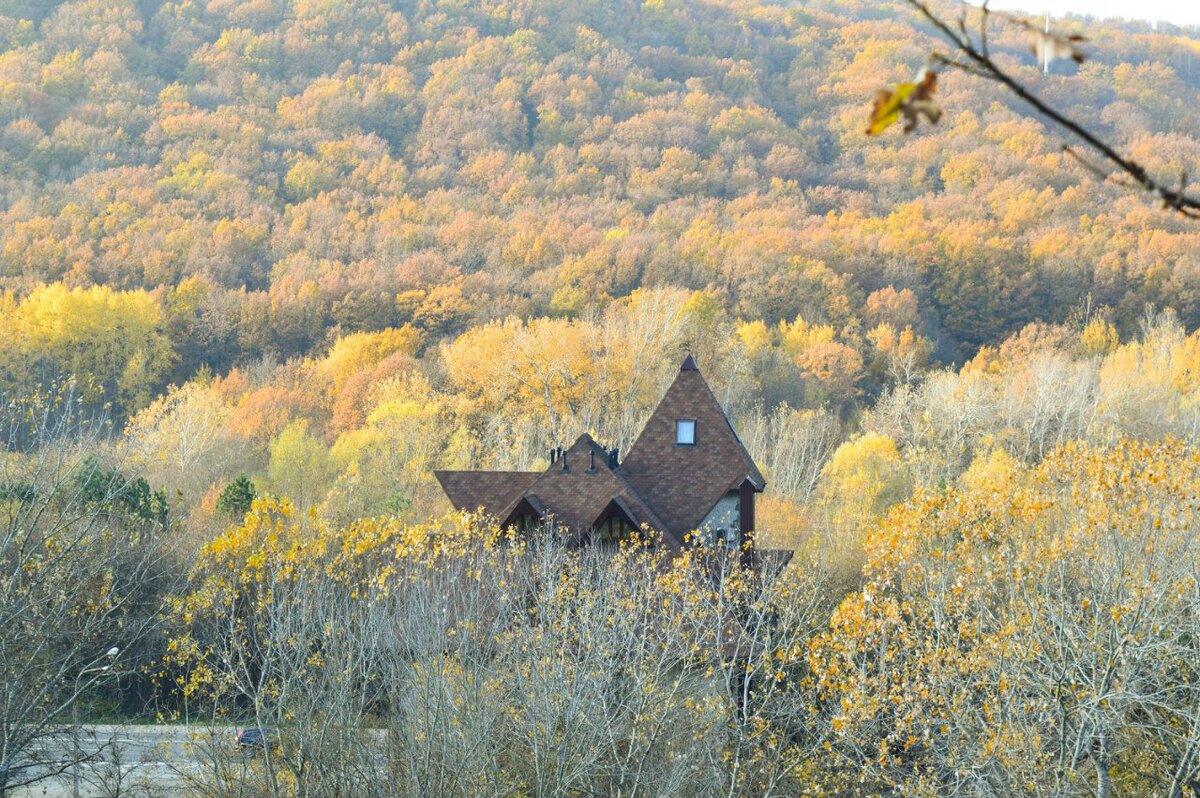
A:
75,728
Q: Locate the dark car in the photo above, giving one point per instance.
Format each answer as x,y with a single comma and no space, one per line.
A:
254,738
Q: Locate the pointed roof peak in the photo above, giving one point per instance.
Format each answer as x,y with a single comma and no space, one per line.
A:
689,364
585,442
683,482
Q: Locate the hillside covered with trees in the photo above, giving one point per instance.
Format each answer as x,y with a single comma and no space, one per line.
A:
266,264
280,173
241,190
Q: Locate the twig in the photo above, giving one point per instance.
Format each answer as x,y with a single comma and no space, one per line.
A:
1096,170
961,66
982,65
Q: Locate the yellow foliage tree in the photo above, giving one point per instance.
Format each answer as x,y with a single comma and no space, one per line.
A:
112,342
1038,635
353,353
1099,337
545,367
299,466
388,462
902,355
864,477
184,441
798,335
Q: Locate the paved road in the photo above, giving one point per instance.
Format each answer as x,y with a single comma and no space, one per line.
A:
131,761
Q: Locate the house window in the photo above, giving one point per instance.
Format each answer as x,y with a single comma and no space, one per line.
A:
685,432
610,534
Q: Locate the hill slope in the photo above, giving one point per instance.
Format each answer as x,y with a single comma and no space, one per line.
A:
306,168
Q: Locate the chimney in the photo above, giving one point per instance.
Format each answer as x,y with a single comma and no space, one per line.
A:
591,460
553,455
563,456
612,458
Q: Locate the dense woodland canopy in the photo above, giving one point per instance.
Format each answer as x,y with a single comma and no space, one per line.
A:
284,172
265,264
282,206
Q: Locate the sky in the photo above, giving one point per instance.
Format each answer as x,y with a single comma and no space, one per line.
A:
1181,12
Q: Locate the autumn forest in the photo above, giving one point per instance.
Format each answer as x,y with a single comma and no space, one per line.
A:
266,265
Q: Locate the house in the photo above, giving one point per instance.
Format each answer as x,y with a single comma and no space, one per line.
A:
687,472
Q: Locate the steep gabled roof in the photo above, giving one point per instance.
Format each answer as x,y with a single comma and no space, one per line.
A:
682,483
529,504
491,491
578,496
664,486
617,508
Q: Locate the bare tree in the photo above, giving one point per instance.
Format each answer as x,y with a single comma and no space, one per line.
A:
82,567
792,445
453,660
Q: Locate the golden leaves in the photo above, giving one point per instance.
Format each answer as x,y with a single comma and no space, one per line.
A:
909,101
942,629
913,100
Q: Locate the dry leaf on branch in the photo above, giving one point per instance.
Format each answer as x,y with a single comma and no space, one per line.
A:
1049,46
908,100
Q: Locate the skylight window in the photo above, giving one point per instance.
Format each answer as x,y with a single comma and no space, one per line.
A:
685,432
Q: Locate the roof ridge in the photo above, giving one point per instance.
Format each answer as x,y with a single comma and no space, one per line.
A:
754,472
653,516
682,482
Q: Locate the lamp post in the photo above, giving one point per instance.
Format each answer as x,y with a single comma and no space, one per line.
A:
75,726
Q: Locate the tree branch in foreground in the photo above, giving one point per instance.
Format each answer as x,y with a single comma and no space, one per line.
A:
912,100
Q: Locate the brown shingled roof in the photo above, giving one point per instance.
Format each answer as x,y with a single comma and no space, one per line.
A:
490,491
667,487
579,495
682,483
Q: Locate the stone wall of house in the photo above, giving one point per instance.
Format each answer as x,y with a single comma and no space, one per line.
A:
725,515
